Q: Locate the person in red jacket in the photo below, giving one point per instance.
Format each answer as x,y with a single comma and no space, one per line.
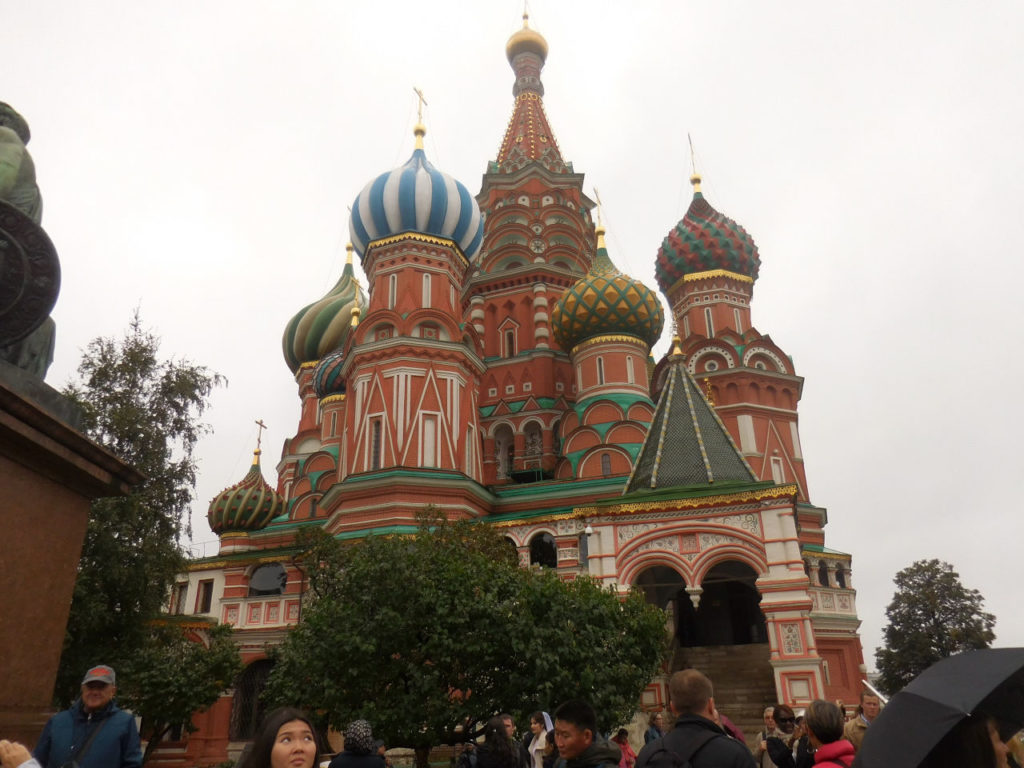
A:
824,724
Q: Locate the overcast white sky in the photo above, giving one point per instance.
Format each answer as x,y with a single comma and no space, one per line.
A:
196,160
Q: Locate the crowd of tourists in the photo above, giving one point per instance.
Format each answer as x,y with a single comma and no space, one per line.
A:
95,733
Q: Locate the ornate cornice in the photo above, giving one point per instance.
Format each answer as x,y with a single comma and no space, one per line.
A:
604,338
695,276
419,237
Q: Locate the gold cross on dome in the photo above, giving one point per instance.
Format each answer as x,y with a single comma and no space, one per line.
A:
421,105
600,205
259,432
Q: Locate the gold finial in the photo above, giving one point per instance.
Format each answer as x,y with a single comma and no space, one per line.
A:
707,391
419,130
677,347
526,16
694,176
600,205
349,248
356,311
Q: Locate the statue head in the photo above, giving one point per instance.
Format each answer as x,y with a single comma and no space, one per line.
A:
10,118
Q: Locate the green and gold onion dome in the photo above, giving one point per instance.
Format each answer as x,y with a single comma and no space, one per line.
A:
324,325
248,505
606,301
703,241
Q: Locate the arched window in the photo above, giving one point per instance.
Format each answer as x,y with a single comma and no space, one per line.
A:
606,464
392,290
510,343
600,370
426,290
504,451
543,551
629,370
840,577
269,579
823,573
708,322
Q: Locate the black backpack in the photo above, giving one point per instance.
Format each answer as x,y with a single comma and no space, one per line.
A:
688,746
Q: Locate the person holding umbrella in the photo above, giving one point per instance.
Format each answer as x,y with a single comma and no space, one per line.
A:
975,741
953,699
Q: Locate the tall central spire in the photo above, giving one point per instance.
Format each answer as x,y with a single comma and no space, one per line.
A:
529,137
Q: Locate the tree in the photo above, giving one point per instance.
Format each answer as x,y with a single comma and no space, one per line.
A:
177,672
429,635
147,411
931,616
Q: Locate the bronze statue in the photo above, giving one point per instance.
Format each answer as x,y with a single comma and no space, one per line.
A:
29,267
17,172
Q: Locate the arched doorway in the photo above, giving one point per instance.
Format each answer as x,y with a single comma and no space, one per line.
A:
664,587
729,611
247,708
544,551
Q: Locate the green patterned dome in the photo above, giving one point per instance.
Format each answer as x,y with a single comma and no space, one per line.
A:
247,505
703,241
324,325
606,301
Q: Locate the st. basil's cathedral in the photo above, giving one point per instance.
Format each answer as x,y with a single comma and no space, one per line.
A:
498,366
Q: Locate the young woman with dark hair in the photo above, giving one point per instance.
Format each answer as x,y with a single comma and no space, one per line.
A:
286,739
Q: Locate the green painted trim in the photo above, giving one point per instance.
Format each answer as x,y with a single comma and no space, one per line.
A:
391,530
550,488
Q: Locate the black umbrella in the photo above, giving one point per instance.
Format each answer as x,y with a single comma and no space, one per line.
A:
915,719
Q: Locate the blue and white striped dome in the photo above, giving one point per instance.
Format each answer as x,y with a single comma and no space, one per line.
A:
416,197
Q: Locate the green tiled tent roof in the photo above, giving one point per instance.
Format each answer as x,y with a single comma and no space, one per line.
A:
687,444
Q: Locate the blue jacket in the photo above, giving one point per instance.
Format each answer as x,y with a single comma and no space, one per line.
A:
116,746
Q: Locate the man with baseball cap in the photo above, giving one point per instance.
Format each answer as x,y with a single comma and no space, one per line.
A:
94,732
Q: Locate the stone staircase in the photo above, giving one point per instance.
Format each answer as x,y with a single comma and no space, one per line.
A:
743,679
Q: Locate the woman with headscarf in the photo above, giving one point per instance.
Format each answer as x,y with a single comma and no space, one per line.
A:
540,724
360,749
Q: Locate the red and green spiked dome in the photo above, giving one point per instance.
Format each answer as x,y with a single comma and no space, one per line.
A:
606,301
248,505
705,240
324,325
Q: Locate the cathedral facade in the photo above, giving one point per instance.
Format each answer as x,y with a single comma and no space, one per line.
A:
498,366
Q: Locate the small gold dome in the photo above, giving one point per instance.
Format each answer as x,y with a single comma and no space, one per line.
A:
526,40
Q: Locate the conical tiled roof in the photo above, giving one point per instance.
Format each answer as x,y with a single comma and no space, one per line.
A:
702,241
687,445
606,301
324,325
248,505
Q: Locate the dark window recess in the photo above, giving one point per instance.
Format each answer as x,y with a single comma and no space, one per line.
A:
269,579
543,551
204,600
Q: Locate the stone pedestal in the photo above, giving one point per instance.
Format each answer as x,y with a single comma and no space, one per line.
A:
49,474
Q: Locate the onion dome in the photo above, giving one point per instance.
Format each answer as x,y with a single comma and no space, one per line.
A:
416,197
247,505
324,325
327,378
526,40
705,240
604,302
